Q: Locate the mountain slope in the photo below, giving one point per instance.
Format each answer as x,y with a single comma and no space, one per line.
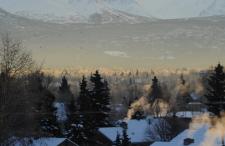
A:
75,11
112,11
217,7
173,9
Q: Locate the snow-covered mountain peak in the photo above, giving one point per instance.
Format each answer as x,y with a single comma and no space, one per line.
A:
78,11
217,7
82,11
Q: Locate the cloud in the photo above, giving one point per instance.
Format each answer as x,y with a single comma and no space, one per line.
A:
117,54
167,57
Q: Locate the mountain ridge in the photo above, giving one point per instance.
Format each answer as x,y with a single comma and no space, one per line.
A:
82,11
72,11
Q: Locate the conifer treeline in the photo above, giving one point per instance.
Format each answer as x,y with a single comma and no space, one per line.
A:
93,107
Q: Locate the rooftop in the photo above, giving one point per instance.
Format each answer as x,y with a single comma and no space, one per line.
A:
199,135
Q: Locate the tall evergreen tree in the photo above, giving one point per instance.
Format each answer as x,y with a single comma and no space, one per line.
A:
64,87
182,80
125,138
66,97
216,90
44,101
81,130
100,100
118,140
85,108
84,96
65,92
155,90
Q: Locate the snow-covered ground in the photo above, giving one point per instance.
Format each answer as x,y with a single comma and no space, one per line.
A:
38,142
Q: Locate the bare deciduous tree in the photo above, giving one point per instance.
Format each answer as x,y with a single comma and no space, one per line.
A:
14,62
14,59
160,130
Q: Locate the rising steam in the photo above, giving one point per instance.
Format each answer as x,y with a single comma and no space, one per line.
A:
215,132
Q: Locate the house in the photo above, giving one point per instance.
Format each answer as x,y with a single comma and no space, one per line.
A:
50,141
196,104
137,131
193,137
189,114
145,131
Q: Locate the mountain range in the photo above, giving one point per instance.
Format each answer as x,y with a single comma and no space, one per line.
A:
112,11
148,42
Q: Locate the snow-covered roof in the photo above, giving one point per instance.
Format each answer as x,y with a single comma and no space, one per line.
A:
198,134
38,142
137,130
187,114
111,132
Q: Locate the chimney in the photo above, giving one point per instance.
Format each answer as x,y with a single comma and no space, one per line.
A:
188,141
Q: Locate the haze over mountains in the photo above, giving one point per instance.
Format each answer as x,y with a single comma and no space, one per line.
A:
118,33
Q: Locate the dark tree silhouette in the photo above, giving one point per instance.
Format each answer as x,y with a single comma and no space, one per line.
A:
67,98
14,63
118,140
155,90
64,87
125,138
84,96
100,100
138,115
44,100
182,80
84,117
216,90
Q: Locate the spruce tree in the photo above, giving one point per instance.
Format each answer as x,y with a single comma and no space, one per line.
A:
67,98
118,140
84,97
182,80
82,127
100,100
125,138
155,90
64,87
216,91
65,92
85,107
